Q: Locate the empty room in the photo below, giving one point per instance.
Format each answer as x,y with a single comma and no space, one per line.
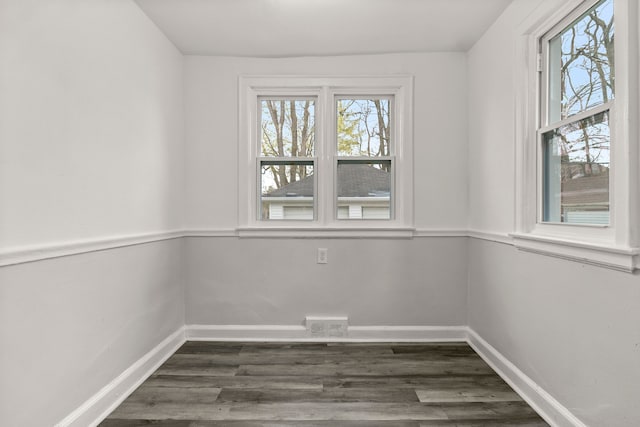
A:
319,213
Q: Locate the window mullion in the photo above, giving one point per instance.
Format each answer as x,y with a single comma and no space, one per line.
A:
325,173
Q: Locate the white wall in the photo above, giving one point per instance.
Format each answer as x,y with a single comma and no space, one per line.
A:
91,131
91,148
491,115
572,328
374,282
211,90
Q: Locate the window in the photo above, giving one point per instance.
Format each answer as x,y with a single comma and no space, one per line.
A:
577,99
325,154
287,163
576,133
364,162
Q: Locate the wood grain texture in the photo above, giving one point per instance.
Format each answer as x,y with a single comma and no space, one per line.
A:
207,384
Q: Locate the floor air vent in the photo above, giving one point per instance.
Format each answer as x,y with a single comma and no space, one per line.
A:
327,327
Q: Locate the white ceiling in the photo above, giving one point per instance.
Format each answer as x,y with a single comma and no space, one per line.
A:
284,28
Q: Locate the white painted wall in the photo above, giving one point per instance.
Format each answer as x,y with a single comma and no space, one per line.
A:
491,104
91,123
91,148
211,92
374,282
572,328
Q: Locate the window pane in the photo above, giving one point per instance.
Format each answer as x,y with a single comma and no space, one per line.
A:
363,127
364,190
581,63
576,172
288,127
287,190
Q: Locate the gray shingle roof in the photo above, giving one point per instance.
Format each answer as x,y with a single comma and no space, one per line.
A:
586,190
354,180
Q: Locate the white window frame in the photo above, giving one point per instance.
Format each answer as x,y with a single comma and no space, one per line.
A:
326,89
616,245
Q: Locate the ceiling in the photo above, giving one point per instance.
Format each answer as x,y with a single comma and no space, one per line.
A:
287,28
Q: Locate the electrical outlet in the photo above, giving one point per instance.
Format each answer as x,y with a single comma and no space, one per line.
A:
323,255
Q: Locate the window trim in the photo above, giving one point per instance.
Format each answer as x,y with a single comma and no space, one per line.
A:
326,89
616,245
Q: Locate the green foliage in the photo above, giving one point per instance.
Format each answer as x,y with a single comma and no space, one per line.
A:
349,130
363,127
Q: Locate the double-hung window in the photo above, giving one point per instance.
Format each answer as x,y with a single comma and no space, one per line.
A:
576,128
577,93
287,163
323,155
364,161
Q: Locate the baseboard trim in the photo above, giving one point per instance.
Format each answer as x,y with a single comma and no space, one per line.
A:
544,404
299,333
245,332
101,404
408,333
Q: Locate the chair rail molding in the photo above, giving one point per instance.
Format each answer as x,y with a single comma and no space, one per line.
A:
31,253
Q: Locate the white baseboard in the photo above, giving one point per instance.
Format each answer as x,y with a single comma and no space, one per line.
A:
101,404
245,332
407,333
542,402
300,333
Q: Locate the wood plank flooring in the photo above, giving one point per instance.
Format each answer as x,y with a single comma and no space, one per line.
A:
210,384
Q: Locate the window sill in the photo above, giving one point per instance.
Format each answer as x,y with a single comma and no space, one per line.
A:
607,256
327,232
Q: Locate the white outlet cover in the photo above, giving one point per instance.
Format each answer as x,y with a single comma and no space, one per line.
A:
323,255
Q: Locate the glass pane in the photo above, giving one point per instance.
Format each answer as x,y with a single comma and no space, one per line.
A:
363,127
576,172
288,127
287,190
581,63
364,190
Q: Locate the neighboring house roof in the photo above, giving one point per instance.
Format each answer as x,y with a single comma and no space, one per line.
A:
586,190
354,180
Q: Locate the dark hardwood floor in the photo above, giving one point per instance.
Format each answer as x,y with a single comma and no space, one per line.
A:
206,384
